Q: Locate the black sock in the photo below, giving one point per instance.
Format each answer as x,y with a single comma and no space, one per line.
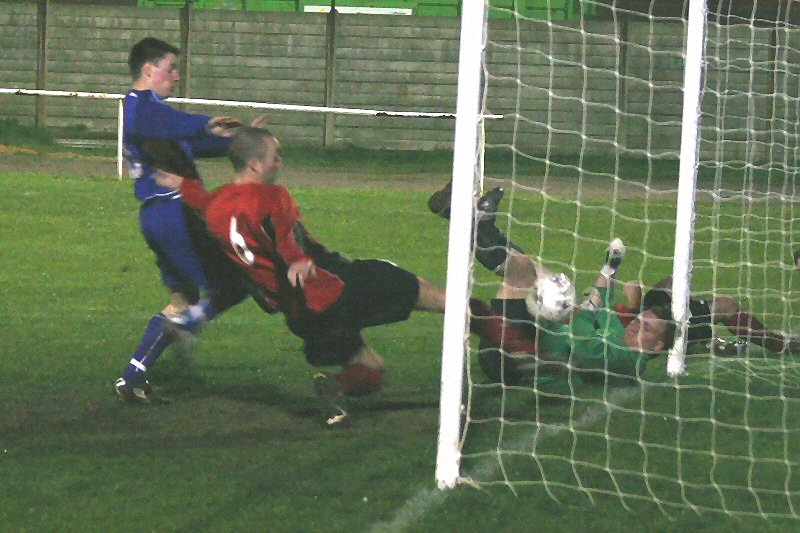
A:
491,245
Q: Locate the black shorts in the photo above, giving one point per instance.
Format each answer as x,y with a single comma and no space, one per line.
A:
700,321
497,367
375,292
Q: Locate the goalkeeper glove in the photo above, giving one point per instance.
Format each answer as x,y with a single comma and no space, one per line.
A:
614,254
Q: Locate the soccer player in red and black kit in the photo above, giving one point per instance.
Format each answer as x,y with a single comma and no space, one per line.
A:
327,299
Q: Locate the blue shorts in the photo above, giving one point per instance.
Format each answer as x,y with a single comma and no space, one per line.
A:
164,227
190,260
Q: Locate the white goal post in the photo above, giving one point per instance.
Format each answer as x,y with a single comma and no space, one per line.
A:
467,171
676,131
687,181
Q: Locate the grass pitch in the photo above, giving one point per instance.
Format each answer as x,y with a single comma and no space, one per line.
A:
241,446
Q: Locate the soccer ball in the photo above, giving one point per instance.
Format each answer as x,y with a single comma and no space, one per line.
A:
551,298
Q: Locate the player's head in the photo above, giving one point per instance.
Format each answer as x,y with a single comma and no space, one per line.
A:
153,64
700,319
256,151
652,331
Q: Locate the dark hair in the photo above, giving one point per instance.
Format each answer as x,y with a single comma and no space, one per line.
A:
659,295
665,314
148,50
700,319
247,144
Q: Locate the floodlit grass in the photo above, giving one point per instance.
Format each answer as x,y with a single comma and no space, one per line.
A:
241,446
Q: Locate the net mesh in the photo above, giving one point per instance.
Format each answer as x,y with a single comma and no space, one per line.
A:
592,131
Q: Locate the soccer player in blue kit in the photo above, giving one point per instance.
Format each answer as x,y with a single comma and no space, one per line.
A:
187,258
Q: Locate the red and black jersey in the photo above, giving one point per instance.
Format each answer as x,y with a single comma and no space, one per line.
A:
260,227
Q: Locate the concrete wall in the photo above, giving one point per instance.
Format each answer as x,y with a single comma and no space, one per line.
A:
607,87
18,40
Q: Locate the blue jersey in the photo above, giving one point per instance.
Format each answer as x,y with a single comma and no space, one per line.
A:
145,114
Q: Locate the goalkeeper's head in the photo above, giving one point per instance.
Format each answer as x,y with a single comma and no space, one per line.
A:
652,331
700,318
255,154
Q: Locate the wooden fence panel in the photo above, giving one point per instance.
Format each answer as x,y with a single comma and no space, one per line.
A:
603,85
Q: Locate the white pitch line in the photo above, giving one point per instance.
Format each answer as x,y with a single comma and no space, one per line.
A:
423,501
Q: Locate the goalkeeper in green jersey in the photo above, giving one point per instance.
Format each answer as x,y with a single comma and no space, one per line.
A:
705,313
593,346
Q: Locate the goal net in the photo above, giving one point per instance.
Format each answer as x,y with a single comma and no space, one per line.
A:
594,99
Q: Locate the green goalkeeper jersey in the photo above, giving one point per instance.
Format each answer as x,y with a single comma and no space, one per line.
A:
598,343
594,345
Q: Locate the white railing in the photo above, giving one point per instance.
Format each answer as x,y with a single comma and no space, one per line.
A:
229,103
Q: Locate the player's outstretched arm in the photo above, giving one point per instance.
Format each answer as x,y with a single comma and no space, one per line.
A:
192,191
608,273
223,126
632,291
614,254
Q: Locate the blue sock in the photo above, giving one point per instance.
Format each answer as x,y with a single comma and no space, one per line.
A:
154,341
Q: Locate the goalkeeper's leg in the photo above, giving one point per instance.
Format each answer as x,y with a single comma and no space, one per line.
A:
726,311
492,247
